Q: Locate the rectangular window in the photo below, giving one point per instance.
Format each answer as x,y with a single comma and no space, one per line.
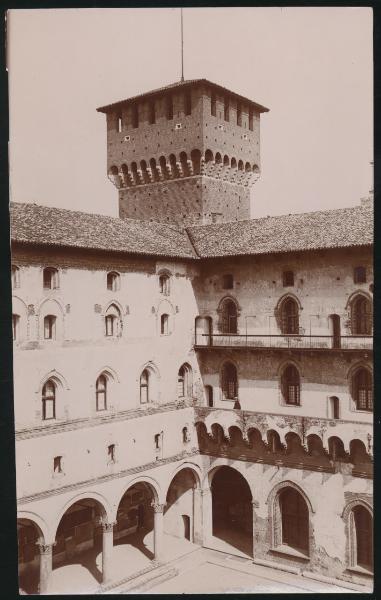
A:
226,109
110,325
288,278
119,123
359,275
169,108
57,464
251,119
239,114
152,116
15,326
135,116
293,394
187,103
157,441
49,327
227,282
111,452
213,105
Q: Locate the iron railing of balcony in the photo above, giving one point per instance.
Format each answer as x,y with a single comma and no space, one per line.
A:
315,342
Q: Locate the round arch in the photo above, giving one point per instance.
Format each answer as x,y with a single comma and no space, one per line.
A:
187,465
40,524
99,499
289,483
150,481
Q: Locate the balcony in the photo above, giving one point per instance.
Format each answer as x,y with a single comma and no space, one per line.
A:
287,342
316,444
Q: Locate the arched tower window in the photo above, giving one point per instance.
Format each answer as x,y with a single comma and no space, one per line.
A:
361,316
363,530
49,400
50,327
229,317
101,393
289,317
164,324
291,385
144,387
113,281
294,520
164,284
112,321
229,381
362,389
184,382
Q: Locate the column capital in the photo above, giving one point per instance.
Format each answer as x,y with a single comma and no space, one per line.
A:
107,527
157,507
45,548
255,503
206,491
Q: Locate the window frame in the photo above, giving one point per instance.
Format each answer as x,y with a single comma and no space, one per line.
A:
51,399
164,324
290,380
144,384
288,278
15,277
53,278
16,327
113,281
229,384
359,274
101,392
289,320
368,404
50,327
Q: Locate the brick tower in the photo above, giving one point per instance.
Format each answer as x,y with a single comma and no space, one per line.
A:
187,153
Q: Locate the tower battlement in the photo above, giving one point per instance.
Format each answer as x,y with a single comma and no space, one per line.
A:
186,153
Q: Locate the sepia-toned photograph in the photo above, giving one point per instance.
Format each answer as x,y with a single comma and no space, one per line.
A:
191,208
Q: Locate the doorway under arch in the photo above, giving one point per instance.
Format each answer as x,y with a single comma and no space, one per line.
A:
232,511
182,514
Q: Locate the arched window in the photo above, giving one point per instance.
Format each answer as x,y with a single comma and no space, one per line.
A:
101,393
15,277
196,161
229,381
164,284
294,520
184,382
362,389
49,400
361,316
144,387
50,278
16,327
208,156
50,327
164,324
112,321
229,315
291,385
359,275
290,317
363,530
113,281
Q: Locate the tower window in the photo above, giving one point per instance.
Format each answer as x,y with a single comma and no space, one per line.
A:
15,327
213,105
49,400
152,116
229,317
226,109
227,282
15,277
239,114
119,123
288,278
144,387
229,381
101,393
113,281
112,321
164,284
164,324
111,453
135,116
361,316
187,103
169,107
50,327
186,437
291,385
57,464
289,317
50,278
251,119
157,441
359,275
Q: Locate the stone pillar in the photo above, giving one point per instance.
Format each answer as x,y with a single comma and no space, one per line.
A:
207,516
46,566
107,550
255,504
197,516
158,533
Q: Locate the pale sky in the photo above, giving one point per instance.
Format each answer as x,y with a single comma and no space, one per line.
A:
312,67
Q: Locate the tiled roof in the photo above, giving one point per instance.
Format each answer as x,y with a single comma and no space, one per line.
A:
177,84
338,228
35,224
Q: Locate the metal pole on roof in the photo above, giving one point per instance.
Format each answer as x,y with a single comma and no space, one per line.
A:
182,47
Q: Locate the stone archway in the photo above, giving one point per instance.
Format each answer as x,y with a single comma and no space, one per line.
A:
30,545
232,510
78,559
182,514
